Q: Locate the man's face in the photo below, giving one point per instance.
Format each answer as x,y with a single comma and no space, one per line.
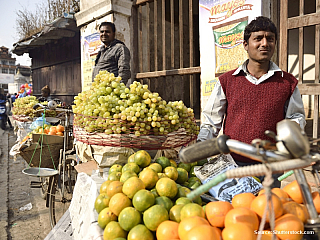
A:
260,46
106,35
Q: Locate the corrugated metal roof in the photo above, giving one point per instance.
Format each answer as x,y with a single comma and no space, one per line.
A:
64,26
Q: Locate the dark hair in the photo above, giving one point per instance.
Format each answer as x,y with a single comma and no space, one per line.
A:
261,23
110,24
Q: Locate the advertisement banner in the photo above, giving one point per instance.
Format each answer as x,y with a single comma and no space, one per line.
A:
90,47
221,26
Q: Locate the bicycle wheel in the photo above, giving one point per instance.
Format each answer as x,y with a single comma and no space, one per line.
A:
60,194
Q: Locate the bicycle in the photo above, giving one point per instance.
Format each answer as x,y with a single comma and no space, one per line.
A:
291,152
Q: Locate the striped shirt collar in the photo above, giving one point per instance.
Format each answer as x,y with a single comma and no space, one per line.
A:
272,69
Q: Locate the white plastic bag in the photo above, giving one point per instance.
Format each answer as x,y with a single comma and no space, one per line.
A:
227,189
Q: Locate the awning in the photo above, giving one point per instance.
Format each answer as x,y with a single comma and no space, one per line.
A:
64,26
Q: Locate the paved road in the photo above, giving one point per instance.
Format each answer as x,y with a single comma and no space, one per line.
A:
15,193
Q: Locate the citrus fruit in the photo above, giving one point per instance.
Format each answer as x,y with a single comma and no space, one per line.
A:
259,204
142,158
316,200
194,179
156,167
289,227
173,163
114,187
118,202
182,175
242,200
106,216
294,191
168,229
165,202
155,215
104,186
166,187
126,175
114,176
296,209
113,230
189,223
242,215
171,172
115,168
284,197
162,175
154,192
203,232
131,158
163,161
194,185
183,200
129,217
191,172
182,192
174,213
190,210
143,199
131,166
149,177
216,212
131,186
185,166
60,128
101,202
238,231
140,232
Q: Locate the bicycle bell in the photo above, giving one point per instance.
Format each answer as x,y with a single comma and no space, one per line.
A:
52,105
293,138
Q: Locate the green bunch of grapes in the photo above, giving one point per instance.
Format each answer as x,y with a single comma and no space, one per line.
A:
110,107
24,106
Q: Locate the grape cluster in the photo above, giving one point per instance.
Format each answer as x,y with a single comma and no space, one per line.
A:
24,106
110,107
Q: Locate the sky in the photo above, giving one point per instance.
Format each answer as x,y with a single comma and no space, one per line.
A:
8,32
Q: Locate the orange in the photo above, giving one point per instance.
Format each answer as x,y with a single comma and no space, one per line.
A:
188,223
156,167
216,212
284,197
143,199
101,202
174,213
52,132
296,209
165,202
316,201
113,230
60,128
166,187
58,133
129,217
171,172
114,187
203,232
131,158
114,176
106,216
259,204
154,216
190,210
286,224
149,177
132,186
294,191
242,215
182,175
126,175
140,232
131,166
53,129
267,235
163,161
168,229
142,158
238,231
118,202
242,200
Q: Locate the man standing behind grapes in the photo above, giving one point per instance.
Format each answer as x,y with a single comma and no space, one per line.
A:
113,56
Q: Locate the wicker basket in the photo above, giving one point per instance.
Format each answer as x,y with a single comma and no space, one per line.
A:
35,157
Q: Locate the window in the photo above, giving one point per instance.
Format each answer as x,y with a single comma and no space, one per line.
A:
4,70
4,62
11,63
12,71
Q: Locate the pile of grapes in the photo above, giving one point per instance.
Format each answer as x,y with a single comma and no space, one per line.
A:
24,106
110,107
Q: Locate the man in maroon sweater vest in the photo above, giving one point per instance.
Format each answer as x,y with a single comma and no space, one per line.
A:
254,97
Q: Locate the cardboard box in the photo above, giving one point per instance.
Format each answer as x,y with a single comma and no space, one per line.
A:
47,139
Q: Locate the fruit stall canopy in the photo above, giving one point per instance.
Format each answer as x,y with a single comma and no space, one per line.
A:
64,26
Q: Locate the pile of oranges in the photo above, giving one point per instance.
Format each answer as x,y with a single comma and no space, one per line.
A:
241,218
53,130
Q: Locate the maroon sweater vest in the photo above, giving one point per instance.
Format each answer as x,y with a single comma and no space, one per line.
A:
252,109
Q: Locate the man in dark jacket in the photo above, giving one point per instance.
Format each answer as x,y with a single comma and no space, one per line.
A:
113,56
